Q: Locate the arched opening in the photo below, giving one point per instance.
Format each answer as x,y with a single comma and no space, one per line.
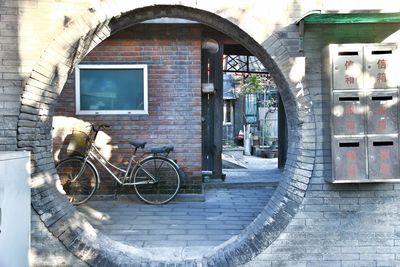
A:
72,229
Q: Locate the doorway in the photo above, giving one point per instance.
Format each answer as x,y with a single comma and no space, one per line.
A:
242,122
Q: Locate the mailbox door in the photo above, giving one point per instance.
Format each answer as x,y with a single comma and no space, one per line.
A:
347,66
348,113
380,67
382,112
349,159
383,154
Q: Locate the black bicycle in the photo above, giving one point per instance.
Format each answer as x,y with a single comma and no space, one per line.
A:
155,178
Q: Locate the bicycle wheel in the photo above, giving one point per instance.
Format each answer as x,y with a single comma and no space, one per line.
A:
156,180
78,180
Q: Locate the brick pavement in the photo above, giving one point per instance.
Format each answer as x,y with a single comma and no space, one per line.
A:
192,226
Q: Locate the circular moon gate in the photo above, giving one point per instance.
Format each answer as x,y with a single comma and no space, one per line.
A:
40,94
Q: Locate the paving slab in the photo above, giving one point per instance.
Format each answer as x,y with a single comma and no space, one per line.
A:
258,172
189,227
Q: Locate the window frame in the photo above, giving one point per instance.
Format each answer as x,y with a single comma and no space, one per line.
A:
78,110
225,112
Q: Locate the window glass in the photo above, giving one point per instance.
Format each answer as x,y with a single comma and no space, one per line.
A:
102,89
228,112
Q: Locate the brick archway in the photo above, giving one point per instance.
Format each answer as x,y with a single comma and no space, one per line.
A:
41,92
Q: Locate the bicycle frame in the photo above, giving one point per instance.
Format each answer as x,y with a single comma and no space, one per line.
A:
108,166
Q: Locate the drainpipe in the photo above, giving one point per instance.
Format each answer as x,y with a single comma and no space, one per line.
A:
212,47
300,24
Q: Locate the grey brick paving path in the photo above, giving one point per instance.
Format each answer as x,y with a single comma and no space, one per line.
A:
193,226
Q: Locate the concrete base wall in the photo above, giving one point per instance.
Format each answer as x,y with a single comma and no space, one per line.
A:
15,213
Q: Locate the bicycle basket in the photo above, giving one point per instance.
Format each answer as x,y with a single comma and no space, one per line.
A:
78,144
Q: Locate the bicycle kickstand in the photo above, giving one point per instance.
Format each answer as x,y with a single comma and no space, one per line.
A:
116,186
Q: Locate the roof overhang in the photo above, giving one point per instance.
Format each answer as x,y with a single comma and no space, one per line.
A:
316,17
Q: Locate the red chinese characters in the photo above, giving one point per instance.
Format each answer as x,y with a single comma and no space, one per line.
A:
351,125
351,155
381,110
382,124
384,154
352,170
381,64
349,79
385,168
349,110
348,64
381,76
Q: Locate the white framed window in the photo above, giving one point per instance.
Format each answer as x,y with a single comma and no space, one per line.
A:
111,89
228,112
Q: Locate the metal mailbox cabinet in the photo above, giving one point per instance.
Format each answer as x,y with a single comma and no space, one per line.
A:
381,66
349,159
382,112
347,66
383,157
363,82
348,113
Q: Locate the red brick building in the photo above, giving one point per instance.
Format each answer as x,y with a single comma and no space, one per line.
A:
172,54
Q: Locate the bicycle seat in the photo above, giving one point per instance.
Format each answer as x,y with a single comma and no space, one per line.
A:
137,144
163,149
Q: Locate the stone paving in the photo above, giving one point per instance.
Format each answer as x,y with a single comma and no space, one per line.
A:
260,172
223,214
193,226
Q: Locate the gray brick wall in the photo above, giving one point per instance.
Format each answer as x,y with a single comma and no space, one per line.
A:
346,225
10,79
46,249
338,225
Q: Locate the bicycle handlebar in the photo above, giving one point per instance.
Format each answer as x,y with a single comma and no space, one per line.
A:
98,127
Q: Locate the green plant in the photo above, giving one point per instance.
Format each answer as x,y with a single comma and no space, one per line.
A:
271,103
266,134
253,84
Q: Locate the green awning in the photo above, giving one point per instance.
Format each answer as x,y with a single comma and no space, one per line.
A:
339,18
